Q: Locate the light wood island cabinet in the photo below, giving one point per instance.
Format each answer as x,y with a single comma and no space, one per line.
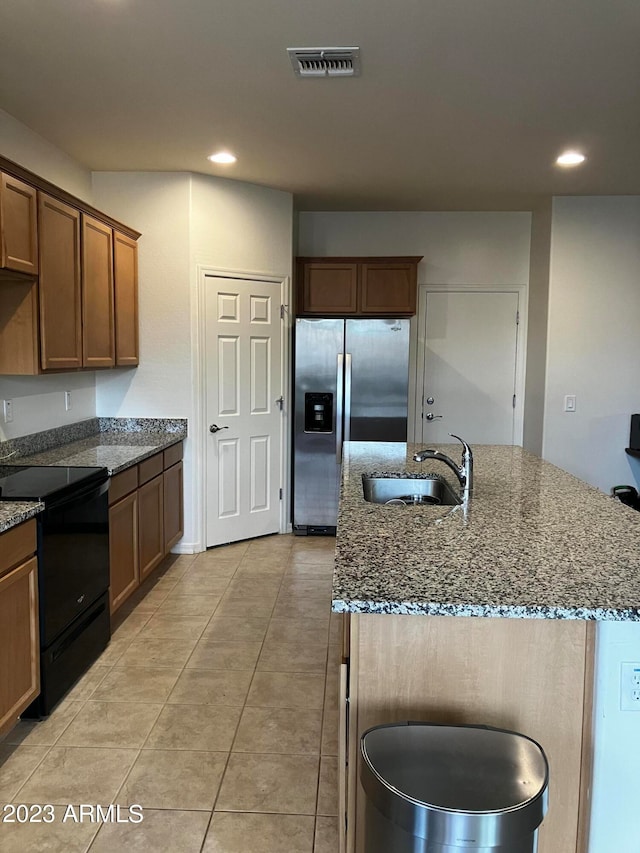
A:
19,634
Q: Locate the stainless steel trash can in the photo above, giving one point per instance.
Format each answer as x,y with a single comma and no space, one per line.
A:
437,789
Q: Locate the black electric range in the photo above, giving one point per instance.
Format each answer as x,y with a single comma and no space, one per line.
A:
73,569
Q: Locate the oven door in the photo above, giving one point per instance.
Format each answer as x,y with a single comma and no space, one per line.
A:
73,557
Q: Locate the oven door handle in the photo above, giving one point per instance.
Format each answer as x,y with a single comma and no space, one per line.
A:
86,494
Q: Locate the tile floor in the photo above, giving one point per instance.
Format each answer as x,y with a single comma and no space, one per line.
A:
214,707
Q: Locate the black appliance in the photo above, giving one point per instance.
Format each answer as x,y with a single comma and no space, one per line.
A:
73,570
634,435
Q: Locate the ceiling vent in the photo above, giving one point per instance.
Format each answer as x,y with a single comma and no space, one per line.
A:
325,61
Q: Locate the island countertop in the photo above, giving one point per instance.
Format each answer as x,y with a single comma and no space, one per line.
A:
534,542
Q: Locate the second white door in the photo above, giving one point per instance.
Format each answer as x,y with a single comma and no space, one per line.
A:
470,344
244,418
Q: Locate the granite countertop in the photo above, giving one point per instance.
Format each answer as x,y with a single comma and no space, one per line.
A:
13,513
113,450
112,443
534,541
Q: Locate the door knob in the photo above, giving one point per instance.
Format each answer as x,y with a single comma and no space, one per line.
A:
216,428
431,417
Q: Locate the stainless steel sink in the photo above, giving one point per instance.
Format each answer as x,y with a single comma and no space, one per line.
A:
408,490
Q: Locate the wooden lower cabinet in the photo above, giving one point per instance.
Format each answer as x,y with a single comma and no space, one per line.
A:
150,525
533,676
145,520
123,545
19,634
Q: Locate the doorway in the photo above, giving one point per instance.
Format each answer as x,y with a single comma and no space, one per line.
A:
244,407
470,366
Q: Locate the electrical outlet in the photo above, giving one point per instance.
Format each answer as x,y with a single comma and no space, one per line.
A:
570,403
67,400
7,409
630,686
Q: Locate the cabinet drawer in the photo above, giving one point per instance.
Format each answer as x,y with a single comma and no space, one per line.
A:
123,483
17,544
172,455
149,469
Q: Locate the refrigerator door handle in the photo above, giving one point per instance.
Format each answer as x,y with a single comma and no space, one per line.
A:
347,397
339,405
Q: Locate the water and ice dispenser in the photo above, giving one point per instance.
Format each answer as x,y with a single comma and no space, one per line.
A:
318,412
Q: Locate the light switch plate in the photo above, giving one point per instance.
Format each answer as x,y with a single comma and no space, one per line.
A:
570,403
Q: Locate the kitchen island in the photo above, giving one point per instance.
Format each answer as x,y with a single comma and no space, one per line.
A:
534,544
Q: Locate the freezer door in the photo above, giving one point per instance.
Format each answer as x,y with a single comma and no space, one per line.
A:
376,409
318,401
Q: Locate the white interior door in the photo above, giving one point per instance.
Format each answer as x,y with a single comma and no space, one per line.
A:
244,420
470,358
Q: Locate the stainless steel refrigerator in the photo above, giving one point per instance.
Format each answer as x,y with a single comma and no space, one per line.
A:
351,384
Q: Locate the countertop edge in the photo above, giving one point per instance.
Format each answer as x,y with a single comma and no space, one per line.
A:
17,512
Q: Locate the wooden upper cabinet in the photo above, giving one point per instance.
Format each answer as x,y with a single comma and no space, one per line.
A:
125,270
328,288
98,344
388,288
18,226
352,287
60,285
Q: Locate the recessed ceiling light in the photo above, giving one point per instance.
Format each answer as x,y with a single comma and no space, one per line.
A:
222,157
570,158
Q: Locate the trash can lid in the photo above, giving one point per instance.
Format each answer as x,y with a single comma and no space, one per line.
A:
473,769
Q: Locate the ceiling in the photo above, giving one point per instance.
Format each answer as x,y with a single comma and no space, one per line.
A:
461,104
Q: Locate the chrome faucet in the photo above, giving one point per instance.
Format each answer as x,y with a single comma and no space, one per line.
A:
464,471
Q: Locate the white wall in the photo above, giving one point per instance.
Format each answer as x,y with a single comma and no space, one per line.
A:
33,152
593,337
38,401
616,789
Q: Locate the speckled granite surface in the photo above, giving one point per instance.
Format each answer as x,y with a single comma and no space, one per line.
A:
113,443
15,512
534,542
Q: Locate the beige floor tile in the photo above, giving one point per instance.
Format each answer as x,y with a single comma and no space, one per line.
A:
209,654
17,763
330,730
162,583
253,586
259,833
302,631
326,835
255,568
254,607
174,627
236,629
87,683
174,779
286,690
160,832
208,566
111,724
309,607
114,651
311,571
126,625
297,585
328,786
55,837
211,687
285,784
146,600
189,605
279,730
195,727
200,583
78,775
153,651
269,545
46,732
292,657
136,684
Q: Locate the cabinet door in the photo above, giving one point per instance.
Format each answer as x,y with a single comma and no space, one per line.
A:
18,226
19,641
125,269
173,501
328,289
98,339
123,549
388,288
150,525
60,300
